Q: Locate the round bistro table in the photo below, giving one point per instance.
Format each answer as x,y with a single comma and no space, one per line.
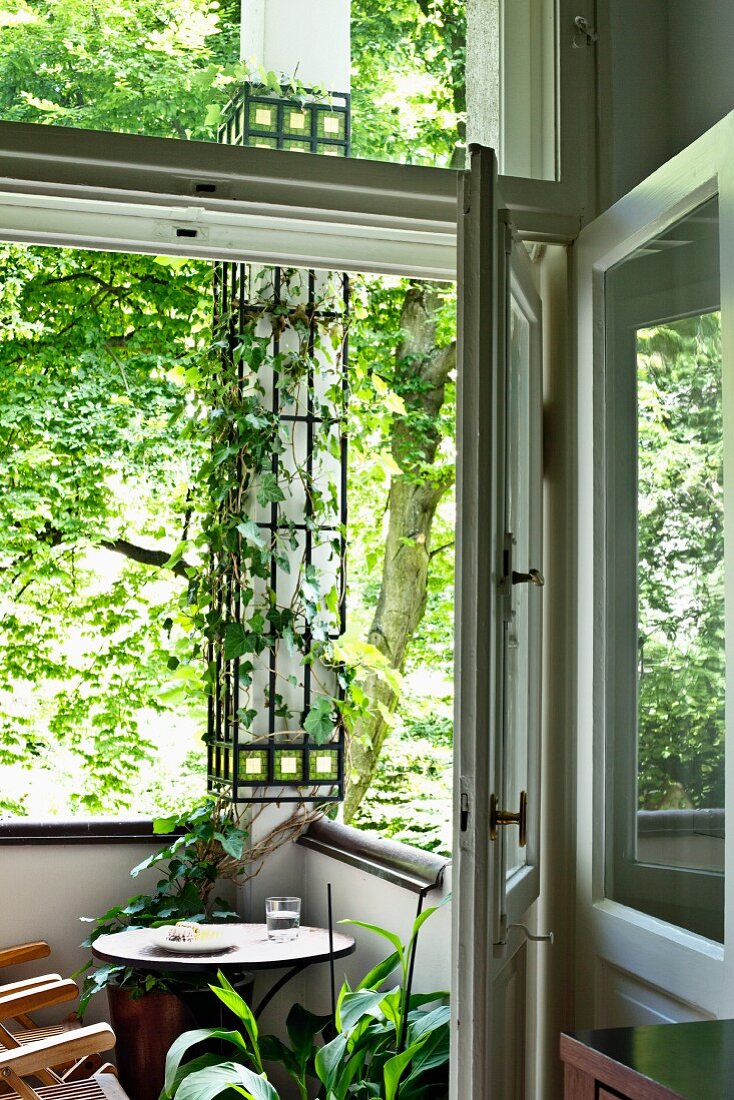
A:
252,951
143,1040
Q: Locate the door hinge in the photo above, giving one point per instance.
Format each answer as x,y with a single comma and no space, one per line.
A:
506,575
465,192
464,806
509,232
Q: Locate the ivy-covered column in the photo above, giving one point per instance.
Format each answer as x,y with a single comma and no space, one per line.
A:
277,525
276,534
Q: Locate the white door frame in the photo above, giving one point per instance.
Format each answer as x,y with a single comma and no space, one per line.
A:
689,969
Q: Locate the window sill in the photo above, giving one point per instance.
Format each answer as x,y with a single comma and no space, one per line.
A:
137,830
411,868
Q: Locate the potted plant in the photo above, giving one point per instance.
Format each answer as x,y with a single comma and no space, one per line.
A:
391,1044
149,1008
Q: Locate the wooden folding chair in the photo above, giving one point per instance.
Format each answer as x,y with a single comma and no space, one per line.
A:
18,1029
23,953
29,1070
28,953
20,998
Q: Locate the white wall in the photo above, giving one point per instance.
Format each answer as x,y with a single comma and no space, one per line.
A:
701,65
48,887
666,76
316,47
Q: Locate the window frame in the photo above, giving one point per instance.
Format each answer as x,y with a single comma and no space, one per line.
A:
119,192
635,882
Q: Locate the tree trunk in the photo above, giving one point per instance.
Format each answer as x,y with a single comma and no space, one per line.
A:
422,370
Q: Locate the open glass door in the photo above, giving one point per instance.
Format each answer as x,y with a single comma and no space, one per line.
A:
478,568
655,594
499,581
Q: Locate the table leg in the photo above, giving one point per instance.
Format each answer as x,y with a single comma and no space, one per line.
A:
277,988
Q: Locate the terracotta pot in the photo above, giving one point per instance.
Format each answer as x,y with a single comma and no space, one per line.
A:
146,1026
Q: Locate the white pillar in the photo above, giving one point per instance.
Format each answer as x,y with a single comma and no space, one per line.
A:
306,38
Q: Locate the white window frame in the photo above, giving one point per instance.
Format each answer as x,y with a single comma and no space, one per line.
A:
83,189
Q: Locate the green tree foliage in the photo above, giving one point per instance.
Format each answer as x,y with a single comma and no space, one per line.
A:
681,565
409,92
93,464
156,67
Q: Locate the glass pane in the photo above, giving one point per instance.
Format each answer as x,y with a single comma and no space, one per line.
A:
370,80
528,138
517,635
668,728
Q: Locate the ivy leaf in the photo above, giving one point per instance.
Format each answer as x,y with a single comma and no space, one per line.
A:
233,842
319,722
252,533
236,641
269,492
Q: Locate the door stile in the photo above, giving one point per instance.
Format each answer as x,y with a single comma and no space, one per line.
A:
477,587
726,259
634,967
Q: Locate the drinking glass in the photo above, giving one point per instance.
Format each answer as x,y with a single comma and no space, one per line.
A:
283,918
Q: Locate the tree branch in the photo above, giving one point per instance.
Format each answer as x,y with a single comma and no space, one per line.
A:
440,549
143,555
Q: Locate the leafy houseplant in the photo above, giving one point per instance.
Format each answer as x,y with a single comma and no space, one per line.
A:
391,1045
210,848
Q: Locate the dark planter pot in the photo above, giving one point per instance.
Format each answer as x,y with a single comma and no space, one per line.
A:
146,1027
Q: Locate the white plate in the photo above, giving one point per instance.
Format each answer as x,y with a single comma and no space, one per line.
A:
210,939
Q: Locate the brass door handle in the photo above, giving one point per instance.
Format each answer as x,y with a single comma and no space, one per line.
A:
506,817
533,576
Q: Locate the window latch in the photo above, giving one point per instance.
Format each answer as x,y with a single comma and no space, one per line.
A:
585,35
533,576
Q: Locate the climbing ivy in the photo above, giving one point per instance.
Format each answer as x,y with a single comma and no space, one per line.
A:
266,600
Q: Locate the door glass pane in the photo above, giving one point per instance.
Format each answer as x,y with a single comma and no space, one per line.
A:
516,629
666,571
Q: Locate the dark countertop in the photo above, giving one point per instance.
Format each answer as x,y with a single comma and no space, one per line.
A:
694,1060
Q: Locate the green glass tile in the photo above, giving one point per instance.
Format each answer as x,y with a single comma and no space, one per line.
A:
297,146
253,766
331,150
288,765
297,120
323,765
330,125
263,117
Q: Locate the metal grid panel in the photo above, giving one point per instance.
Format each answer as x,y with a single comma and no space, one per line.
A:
265,767
299,768
309,124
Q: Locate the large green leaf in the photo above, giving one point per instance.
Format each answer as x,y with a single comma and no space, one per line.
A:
429,1021
434,1053
189,1039
273,1049
377,975
229,996
364,1002
303,1027
201,1062
384,932
395,1067
329,1060
214,1081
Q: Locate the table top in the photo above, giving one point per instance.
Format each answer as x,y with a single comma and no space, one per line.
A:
252,950
690,1060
